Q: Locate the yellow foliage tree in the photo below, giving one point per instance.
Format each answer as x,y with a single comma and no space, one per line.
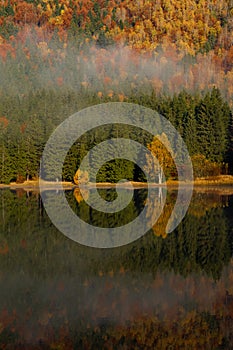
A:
160,147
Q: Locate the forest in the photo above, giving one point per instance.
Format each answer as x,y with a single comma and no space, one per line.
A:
58,57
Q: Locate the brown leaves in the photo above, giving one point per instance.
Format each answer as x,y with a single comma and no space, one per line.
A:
4,122
25,13
23,128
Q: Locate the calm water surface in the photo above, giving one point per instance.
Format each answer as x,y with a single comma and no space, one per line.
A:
160,292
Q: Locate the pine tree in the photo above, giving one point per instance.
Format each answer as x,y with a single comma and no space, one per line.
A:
212,116
229,156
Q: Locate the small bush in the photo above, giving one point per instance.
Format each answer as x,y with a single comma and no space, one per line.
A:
20,179
81,177
203,167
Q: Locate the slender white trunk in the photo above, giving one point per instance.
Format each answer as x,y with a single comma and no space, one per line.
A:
160,195
160,177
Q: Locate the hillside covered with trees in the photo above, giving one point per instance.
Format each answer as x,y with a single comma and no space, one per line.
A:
57,57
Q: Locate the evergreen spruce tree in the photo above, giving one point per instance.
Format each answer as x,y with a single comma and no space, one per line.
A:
213,116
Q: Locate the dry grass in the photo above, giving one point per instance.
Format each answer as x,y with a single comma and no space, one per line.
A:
214,180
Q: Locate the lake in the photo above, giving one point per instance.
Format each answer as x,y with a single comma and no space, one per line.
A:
162,291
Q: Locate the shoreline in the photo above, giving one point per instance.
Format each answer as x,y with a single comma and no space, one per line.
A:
218,181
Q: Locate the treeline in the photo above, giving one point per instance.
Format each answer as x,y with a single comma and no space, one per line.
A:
203,120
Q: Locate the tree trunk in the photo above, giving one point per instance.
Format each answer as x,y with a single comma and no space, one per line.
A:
160,177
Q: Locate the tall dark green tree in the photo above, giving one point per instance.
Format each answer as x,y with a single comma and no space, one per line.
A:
213,116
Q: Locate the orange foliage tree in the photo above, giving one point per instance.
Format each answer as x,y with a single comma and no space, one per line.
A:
81,177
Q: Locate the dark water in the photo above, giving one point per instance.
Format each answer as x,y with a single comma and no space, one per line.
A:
162,291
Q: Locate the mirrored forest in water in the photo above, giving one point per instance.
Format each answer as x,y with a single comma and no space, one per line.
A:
161,291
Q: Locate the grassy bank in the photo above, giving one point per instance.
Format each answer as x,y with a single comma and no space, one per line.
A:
207,181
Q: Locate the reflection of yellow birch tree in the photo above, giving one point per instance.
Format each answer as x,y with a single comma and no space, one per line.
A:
160,147
159,226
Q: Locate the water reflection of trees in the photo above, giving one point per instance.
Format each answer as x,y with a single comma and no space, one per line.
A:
202,241
153,293
97,218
